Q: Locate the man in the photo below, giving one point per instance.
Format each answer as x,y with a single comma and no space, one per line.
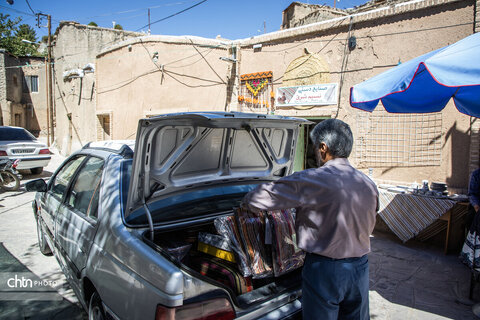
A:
336,207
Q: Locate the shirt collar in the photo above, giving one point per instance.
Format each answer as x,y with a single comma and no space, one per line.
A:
337,162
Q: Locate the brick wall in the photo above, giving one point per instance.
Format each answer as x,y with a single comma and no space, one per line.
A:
474,144
475,123
477,16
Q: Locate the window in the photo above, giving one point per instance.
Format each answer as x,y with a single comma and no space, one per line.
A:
30,84
15,134
59,185
104,126
84,194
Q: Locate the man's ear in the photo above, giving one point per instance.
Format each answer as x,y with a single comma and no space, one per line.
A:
323,147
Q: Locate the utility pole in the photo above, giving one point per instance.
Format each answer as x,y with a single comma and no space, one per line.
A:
48,104
148,21
50,84
49,75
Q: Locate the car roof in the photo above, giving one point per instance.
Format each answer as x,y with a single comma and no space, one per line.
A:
122,147
12,127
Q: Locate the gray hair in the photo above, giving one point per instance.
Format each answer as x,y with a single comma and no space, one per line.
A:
336,134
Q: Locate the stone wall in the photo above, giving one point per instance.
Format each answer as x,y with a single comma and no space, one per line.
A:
299,14
475,123
477,16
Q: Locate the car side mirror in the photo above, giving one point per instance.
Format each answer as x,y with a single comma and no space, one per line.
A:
36,185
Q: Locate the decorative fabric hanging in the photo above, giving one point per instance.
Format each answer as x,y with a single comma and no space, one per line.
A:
256,91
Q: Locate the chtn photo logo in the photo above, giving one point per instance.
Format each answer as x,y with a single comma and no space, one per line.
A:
23,281
19,282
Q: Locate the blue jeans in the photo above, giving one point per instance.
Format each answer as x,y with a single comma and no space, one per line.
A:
335,288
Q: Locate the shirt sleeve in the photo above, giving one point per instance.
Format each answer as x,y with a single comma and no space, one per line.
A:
474,188
281,194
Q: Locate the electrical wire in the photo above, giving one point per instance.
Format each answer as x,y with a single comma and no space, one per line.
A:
30,7
172,15
138,9
18,11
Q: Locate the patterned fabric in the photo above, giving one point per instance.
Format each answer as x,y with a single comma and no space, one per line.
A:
406,214
470,254
286,255
471,248
227,227
474,188
252,231
459,211
264,244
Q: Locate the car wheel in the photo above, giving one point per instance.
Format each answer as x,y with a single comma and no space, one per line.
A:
42,243
11,182
95,308
36,170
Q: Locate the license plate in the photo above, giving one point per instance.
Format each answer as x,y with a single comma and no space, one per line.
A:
22,151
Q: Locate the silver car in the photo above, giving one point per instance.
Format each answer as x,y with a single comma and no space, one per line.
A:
112,217
18,143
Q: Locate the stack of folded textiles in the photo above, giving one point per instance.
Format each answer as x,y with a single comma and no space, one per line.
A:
286,255
227,227
264,243
252,230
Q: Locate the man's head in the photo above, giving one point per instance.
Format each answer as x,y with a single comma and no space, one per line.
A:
332,138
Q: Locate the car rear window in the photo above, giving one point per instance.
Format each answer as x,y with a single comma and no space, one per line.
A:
14,134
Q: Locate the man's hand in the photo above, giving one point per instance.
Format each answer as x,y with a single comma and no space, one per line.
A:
476,207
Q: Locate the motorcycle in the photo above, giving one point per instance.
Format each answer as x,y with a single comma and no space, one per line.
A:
9,176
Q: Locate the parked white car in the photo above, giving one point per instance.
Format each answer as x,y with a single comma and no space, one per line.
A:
18,143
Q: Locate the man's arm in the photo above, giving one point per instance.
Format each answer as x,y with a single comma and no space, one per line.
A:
284,193
474,190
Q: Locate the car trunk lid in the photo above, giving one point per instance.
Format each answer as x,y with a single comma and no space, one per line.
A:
179,152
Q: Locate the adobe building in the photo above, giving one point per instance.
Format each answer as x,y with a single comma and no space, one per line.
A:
23,92
74,84
156,74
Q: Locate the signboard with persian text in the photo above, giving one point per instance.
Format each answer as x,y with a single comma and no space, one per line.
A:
318,94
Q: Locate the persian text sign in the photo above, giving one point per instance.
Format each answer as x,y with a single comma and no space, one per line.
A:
318,94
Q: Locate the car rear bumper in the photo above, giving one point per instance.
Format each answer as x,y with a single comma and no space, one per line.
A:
33,162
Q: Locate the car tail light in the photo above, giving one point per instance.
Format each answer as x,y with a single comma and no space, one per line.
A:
44,151
3,153
216,309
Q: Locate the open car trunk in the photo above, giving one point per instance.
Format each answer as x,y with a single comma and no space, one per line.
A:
182,247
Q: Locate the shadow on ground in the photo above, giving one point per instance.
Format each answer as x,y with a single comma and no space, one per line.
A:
417,276
25,302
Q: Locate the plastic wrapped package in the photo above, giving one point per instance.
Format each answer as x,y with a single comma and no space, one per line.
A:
286,255
252,231
227,227
176,248
215,245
